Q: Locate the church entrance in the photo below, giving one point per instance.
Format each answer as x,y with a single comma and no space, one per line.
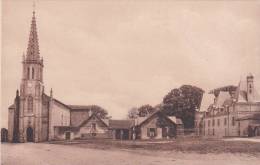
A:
4,135
67,135
29,134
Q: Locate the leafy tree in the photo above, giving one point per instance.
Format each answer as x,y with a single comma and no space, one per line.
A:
99,111
145,110
182,103
133,113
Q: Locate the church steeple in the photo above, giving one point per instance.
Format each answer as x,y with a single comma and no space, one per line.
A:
32,63
31,91
33,53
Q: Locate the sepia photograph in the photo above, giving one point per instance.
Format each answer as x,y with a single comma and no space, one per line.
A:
130,82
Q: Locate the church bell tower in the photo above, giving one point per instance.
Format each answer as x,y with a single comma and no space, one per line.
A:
250,88
31,89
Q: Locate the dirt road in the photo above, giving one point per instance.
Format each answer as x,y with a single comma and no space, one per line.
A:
53,154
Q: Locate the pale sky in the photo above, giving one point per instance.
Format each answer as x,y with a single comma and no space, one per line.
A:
120,54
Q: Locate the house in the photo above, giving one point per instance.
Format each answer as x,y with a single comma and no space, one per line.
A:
155,126
234,111
121,129
158,126
92,127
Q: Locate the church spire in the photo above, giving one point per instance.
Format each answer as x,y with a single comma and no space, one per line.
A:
33,53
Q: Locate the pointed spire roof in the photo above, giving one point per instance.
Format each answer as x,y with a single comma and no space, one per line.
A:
33,53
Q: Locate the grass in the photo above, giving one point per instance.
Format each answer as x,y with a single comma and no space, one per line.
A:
197,145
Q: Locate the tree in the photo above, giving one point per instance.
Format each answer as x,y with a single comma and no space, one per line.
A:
145,110
99,111
133,113
182,103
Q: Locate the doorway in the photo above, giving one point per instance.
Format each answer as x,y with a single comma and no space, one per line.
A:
67,135
122,134
29,134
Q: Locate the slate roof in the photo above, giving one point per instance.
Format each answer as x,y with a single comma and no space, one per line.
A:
239,94
222,97
121,124
224,89
228,102
171,118
175,120
80,107
57,101
139,120
93,115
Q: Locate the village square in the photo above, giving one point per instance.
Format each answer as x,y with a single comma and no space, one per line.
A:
183,127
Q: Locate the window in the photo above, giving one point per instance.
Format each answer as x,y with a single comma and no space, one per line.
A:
213,122
61,119
218,122
28,73
32,73
233,121
93,126
30,104
209,123
225,121
250,88
93,130
213,132
151,132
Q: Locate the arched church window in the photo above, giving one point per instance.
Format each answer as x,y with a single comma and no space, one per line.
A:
28,73
250,88
30,104
32,73
61,119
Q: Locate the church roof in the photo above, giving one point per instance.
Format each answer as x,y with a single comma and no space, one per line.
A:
73,107
80,107
33,53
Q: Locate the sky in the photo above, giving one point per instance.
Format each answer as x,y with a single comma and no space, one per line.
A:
121,54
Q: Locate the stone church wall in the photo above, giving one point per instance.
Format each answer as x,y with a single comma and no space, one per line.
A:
59,116
10,124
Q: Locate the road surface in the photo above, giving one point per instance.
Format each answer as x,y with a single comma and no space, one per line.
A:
53,154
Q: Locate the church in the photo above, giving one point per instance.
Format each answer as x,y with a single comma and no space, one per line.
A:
37,117
33,115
